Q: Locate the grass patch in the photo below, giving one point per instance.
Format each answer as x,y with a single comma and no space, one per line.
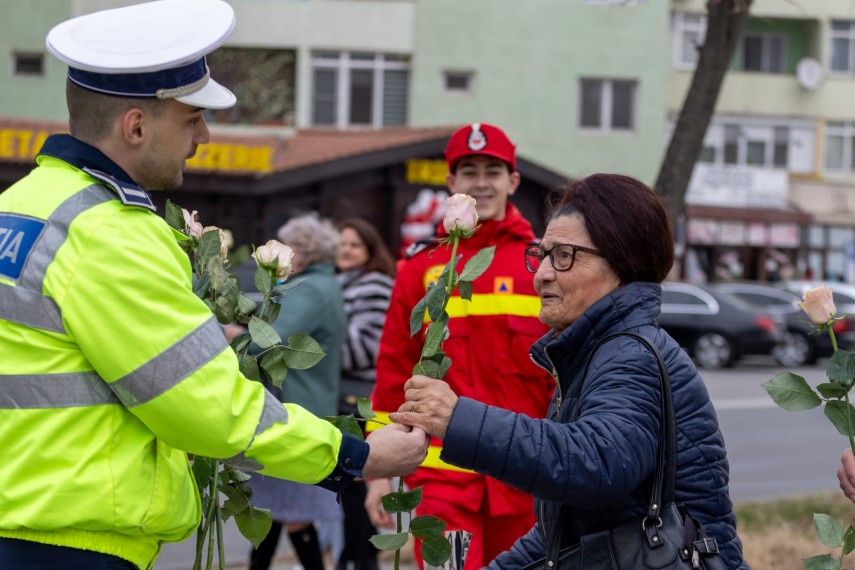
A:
779,534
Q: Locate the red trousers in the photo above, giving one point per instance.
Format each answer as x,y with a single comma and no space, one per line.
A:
491,535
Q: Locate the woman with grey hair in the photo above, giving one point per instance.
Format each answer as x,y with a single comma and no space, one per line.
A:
314,307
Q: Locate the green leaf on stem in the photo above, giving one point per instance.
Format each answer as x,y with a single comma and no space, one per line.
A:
364,407
436,550
841,368
417,316
465,290
427,525
174,216
402,502
835,410
434,337
273,311
240,342
263,334
791,392
392,541
236,501
249,368
202,285
209,246
821,562
254,524
217,271
346,424
302,352
202,471
832,390
436,296
274,365
828,530
478,264
849,540
224,310
263,280
245,305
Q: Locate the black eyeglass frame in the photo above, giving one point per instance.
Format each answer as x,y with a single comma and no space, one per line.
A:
530,252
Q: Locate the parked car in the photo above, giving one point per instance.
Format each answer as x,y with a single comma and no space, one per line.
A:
843,295
715,328
800,344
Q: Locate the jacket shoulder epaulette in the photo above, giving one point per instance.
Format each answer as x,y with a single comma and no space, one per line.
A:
418,246
128,194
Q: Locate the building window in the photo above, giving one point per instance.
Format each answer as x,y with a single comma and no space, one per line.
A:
838,147
607,104
689,31
748,144
31,64
459,81
842,46
763,52
359,89
263,81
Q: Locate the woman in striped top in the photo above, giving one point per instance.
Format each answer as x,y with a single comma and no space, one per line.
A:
365,273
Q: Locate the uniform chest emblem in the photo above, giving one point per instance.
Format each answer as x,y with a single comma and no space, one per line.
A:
503,286
432,275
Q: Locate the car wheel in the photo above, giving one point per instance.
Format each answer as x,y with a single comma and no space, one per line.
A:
713,351
793,350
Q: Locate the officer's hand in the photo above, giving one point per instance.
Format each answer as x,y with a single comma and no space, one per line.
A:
395,450
846,474
377,488
429,406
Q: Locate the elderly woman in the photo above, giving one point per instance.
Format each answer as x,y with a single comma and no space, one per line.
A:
313,307
606,249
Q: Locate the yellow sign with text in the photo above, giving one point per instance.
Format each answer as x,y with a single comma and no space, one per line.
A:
423,171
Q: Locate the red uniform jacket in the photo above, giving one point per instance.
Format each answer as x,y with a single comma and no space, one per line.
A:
488,345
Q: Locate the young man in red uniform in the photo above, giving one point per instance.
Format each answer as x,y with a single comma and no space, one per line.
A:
488,343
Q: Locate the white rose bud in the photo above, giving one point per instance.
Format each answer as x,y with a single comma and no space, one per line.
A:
275,255
193,227
224,244
460,213
818,304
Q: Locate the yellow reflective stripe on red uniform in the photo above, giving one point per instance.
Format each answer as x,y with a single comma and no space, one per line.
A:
432,460
489,305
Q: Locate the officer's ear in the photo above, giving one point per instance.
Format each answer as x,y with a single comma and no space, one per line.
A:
132,126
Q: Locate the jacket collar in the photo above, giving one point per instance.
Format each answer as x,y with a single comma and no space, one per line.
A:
81,155
627,307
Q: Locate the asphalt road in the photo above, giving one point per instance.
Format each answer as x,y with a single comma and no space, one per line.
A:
773,453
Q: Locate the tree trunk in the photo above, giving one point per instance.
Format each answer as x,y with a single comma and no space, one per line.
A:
725,19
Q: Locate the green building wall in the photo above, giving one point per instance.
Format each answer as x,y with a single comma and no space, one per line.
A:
528,59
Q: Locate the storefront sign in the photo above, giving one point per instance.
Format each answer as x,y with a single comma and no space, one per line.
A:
430,172
21,144
702,231
738,187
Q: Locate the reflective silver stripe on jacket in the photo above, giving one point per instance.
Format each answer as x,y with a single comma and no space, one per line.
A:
272,413
172,365
25,304
70,390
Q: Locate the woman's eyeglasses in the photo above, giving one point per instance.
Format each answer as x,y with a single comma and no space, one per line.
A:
562,256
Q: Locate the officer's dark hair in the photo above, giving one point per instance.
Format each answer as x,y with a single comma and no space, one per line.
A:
626,220
91,115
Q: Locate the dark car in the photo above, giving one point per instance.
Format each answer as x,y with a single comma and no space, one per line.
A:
715,328
800,344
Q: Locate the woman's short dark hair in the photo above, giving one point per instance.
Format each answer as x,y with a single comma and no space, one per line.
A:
626,220
379,257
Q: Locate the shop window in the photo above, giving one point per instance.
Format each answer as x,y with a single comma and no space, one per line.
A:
359,89
263,80
607,104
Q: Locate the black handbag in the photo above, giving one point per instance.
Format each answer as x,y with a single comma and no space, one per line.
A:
666,537
350,390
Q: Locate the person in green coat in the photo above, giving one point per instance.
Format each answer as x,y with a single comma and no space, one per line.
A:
315,307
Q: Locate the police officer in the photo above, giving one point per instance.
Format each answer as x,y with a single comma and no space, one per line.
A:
112,369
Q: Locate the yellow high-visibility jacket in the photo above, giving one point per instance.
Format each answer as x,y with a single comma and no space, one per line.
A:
111,370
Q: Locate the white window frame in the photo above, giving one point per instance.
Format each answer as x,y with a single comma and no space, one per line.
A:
765,51
344,65
606,106
847,131
848,35
761,130
680,27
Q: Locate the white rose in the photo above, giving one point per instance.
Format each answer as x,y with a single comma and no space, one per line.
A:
460,213
275,255
193,227
818,305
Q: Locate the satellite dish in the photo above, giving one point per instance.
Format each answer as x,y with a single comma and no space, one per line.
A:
809,73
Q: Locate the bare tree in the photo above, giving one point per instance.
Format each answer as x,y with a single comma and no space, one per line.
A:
725,19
